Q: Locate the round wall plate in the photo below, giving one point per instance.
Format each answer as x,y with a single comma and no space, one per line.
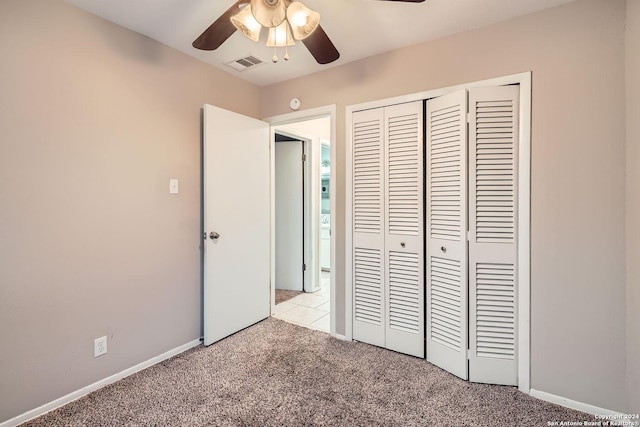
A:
294,104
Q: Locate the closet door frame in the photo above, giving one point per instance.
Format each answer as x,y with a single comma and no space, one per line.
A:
524,207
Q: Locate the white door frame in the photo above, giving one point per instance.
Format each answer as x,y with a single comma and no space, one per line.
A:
294,117
524,207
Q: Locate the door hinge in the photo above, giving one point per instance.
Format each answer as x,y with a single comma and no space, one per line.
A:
304,267
468,117
468,235
304,157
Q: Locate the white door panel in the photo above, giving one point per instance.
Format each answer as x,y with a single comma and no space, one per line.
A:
404,237
447,233
236,206
493,201
289,215
388,228
368,233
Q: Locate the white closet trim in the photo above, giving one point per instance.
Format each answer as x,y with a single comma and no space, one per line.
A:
524,206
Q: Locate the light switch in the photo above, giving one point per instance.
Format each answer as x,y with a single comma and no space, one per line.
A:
173,186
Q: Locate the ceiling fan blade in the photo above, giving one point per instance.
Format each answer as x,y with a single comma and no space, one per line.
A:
219,31
321,47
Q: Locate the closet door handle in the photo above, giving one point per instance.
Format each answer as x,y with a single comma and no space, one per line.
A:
402,244
443,249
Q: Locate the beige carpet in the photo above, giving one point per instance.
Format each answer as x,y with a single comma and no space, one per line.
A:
278,374
283,295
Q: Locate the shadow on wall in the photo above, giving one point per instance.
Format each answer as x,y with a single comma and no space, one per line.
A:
138,49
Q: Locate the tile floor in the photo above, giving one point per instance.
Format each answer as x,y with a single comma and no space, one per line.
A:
310,310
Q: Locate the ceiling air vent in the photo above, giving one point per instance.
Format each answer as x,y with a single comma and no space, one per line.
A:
245,63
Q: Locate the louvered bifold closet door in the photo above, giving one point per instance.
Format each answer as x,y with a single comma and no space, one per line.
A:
404,240
446,261
368,227
493,144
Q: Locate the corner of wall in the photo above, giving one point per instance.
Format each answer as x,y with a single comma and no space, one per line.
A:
632,86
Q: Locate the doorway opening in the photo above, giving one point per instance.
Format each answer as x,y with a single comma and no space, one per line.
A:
302,222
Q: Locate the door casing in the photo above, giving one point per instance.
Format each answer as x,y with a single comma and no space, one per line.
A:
294,117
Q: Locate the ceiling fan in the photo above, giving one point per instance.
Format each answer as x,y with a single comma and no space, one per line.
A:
286,20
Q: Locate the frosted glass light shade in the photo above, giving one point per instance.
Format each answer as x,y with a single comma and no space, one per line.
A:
303,20
269,13
280,36
245,22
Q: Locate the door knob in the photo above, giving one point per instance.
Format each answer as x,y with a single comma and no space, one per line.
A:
213,235
402,244
443,249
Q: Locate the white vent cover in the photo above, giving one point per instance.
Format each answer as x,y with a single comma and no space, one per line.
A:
245,63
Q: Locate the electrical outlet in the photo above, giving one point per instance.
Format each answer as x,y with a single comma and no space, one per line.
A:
99,346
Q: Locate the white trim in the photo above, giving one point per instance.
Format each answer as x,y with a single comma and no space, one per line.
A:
41,410
341,337
571,404
433,93
332,221
348,227
272,219
524,207
524,235
299,116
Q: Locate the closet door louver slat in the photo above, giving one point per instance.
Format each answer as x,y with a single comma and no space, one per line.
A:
368,227
404,237
404,292
367,176
493,143
368,285
446,305
446,145
495,311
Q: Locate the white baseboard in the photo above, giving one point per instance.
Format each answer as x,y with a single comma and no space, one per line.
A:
95,386
571,404
337,336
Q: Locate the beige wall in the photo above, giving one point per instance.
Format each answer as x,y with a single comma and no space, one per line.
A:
633,205
94,120
576,53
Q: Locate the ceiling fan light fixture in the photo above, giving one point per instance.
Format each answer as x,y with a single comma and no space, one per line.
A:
303,20
280,36
247,24
269,13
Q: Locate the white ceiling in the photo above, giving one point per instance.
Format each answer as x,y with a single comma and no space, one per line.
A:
358,28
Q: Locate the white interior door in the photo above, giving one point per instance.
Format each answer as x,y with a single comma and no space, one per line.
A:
368,227
404,237
446,262
236,207
493,201
289,215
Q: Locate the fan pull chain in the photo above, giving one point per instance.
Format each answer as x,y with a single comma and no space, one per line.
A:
275,47
286,45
